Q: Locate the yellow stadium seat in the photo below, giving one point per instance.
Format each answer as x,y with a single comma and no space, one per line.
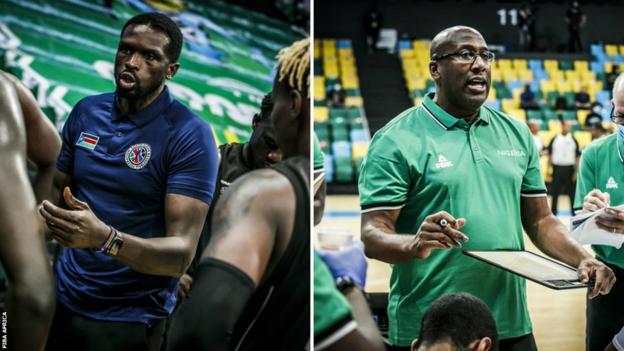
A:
608,66
319,88
583,138
518,114
492,94
580,65
407,53
545,168
563,86
554,126
621,49
509,74
555,75
551,65
350,82
504,64
571,75
321,113
497,75
611,50
581,115
359,150
508,105
354,101
520,64
547,86
525,75
546,135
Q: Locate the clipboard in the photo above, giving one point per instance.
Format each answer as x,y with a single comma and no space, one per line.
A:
318,181
539,269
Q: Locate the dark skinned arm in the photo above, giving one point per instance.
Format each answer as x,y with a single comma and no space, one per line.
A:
551,237
43,143
169,255
382,242
30,297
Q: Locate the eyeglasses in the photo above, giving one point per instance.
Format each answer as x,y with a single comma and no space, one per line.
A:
468,56
617,119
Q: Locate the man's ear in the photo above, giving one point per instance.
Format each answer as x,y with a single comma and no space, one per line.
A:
414,345
434,70
255,120
172,70
483,344
296,103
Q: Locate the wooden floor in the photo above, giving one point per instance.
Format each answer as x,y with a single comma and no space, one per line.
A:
558,316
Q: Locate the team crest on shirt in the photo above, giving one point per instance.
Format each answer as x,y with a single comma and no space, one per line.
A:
138,155
612,184
443,162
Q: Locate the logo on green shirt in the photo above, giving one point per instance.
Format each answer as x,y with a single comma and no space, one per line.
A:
611,184
443,163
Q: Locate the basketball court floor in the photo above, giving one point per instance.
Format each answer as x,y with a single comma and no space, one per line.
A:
558,316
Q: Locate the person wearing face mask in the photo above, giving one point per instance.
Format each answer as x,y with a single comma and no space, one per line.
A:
453,160
599,186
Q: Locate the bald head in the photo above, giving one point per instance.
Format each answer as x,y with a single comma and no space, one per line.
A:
450,36
618,85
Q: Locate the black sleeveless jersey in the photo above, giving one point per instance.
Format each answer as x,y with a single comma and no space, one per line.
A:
277,317
231,166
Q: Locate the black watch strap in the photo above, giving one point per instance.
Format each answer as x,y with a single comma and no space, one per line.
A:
343,283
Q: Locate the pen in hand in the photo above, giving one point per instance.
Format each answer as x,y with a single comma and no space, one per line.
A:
443,223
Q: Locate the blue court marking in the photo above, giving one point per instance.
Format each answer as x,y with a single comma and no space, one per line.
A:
341,214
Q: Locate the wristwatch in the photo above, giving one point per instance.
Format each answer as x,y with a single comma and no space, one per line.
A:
115,244
343,283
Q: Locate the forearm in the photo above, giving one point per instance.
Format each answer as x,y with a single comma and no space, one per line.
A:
43,184
364,319
384,244
551,237
168,256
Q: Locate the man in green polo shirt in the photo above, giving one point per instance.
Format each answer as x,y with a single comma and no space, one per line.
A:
600,182
455,160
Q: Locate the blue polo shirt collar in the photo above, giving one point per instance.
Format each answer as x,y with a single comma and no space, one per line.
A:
147,114
446,120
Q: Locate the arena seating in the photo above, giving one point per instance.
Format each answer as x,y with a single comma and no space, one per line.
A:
340,125
64,51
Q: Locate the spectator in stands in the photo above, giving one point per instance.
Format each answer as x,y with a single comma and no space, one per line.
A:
235,160
337,96
27,135
582,100
612,76
527,99
595,114
373,24
142,168
406,198
342,317
563,154
526,26
575,19
597,130
561,104
457,321
601,178
534,128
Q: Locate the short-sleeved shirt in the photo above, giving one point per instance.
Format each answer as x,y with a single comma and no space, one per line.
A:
425,161
123,166
602,168
332,313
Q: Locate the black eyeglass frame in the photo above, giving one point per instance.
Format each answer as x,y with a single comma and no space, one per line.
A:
488,60
616,119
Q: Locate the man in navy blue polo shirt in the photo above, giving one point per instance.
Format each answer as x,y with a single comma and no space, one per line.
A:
137,170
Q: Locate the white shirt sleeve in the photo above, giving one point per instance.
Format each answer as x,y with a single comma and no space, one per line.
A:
618,340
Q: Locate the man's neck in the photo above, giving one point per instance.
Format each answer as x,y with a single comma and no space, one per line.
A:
134,106
469,117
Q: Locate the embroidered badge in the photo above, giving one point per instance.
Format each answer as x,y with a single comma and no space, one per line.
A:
138,155
87,141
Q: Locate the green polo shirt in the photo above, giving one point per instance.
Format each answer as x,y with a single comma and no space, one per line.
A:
425,161
318,156
332,313
601,168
